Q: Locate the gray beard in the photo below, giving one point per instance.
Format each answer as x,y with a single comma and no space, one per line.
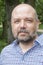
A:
26,40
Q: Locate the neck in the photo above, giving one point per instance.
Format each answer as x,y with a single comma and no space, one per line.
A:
26,46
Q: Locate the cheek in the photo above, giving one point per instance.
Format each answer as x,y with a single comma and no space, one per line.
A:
32,27
14,29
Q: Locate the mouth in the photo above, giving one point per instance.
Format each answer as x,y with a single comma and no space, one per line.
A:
22,33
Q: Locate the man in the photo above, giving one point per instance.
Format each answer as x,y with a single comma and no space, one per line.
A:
27,49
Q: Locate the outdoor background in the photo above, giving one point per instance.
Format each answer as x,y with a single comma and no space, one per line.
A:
6,7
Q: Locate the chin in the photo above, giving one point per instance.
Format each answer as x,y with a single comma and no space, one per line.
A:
25,39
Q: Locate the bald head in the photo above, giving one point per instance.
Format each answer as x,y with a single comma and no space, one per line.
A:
22,8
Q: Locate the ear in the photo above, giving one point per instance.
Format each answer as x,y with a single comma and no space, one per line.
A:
38,23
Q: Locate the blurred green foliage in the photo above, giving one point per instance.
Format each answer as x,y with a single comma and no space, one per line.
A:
1,29
2,44
41,26
2,10
39,9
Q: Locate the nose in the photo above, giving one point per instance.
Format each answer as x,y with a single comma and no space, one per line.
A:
23,24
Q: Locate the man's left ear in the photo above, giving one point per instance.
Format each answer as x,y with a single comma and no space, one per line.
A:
39,22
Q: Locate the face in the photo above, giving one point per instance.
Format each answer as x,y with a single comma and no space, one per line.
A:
24,25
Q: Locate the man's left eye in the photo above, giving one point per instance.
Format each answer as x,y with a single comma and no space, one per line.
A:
29,21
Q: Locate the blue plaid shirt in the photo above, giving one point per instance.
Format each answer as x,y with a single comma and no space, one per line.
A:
13,55
0,59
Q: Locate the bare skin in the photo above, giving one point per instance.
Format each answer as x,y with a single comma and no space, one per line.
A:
24,25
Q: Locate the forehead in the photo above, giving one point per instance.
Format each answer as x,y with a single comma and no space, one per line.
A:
23,11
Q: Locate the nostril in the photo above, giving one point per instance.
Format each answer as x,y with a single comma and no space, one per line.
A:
23,27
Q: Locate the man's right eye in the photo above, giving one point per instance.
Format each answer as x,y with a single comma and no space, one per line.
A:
16,21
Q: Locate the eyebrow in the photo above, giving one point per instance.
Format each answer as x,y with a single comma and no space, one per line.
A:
29,18
16,19
24,18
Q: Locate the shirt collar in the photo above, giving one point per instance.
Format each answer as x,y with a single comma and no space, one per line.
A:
40,39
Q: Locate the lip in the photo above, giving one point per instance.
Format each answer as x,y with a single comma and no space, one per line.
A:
22,33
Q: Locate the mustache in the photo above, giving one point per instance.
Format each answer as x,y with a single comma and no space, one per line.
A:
23,31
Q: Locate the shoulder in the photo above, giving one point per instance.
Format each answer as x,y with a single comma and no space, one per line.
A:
8,48
40,39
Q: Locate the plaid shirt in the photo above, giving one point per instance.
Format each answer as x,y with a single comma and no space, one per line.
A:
13,55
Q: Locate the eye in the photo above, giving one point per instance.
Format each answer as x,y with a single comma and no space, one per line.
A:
28,20
16,21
